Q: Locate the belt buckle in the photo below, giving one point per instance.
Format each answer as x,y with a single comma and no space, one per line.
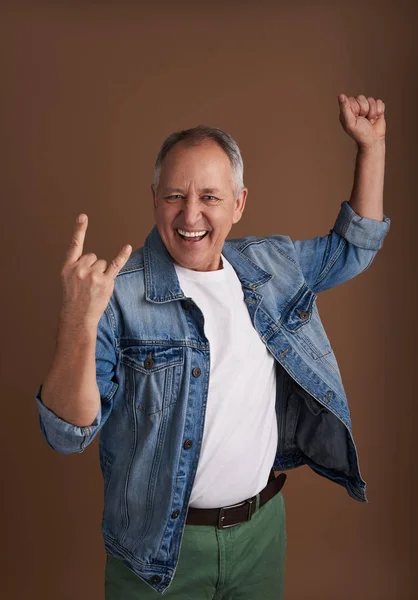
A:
251,510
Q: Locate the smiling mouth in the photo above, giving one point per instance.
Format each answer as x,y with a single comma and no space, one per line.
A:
191,238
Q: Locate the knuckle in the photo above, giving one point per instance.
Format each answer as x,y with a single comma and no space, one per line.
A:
66,270
74,244
96,278
79,274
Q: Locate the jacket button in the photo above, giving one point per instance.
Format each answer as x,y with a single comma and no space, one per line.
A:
303,314
187,444
149,362
196,372
175,513
155,579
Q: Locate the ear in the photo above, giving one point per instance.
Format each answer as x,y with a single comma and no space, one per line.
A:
239,205
154,196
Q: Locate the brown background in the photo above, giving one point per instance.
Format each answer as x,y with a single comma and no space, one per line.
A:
88,93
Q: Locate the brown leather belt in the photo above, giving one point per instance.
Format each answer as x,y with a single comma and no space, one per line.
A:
228,516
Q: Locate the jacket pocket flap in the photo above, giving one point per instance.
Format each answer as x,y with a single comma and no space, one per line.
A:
300,311
151,358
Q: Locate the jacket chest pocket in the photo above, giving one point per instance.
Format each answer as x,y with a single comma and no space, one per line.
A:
303,322
152,375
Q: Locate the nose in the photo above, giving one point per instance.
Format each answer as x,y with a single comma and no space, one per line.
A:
191,211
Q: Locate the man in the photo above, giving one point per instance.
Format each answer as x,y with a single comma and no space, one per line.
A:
204,364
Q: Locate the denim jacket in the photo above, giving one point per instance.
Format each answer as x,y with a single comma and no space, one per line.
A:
152,367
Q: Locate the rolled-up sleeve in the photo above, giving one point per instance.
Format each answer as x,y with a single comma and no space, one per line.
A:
65,437
346,251
62,436
361,231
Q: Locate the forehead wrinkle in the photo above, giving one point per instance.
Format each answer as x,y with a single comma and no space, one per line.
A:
170,190
204,190
208,189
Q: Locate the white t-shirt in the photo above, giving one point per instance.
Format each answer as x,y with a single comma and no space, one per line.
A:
240,431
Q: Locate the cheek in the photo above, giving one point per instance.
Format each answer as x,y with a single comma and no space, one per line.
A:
165,215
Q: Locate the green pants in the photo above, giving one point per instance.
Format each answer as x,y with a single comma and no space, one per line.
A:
243,562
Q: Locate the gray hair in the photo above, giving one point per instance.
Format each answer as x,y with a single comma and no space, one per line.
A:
197,135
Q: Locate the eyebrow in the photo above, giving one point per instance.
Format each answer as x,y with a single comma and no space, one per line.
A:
171,190
210,191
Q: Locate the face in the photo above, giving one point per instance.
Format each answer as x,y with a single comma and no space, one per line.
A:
196,194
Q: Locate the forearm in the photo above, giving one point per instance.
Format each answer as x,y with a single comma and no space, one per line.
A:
70,389
367,194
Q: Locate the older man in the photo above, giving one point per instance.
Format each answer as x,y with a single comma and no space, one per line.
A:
204,363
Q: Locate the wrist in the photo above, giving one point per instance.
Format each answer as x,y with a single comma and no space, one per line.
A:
376,147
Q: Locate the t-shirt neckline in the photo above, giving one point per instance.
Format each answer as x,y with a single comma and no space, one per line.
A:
204,276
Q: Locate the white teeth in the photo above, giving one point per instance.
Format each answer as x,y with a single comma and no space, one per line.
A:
191,234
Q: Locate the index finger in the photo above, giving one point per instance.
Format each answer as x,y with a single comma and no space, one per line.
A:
76,247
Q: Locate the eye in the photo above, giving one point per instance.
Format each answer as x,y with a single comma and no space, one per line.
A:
213,197
173,197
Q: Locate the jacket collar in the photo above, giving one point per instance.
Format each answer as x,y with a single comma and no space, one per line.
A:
161,281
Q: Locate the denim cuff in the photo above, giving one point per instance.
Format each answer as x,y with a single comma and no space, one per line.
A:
62,436
361,231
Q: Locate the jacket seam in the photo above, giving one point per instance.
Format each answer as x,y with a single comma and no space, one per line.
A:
331,261
131,270
245,245
279,249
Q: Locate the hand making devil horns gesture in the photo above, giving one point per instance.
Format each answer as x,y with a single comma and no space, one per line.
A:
87,281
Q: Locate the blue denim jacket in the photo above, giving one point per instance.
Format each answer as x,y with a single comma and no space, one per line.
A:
151,339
